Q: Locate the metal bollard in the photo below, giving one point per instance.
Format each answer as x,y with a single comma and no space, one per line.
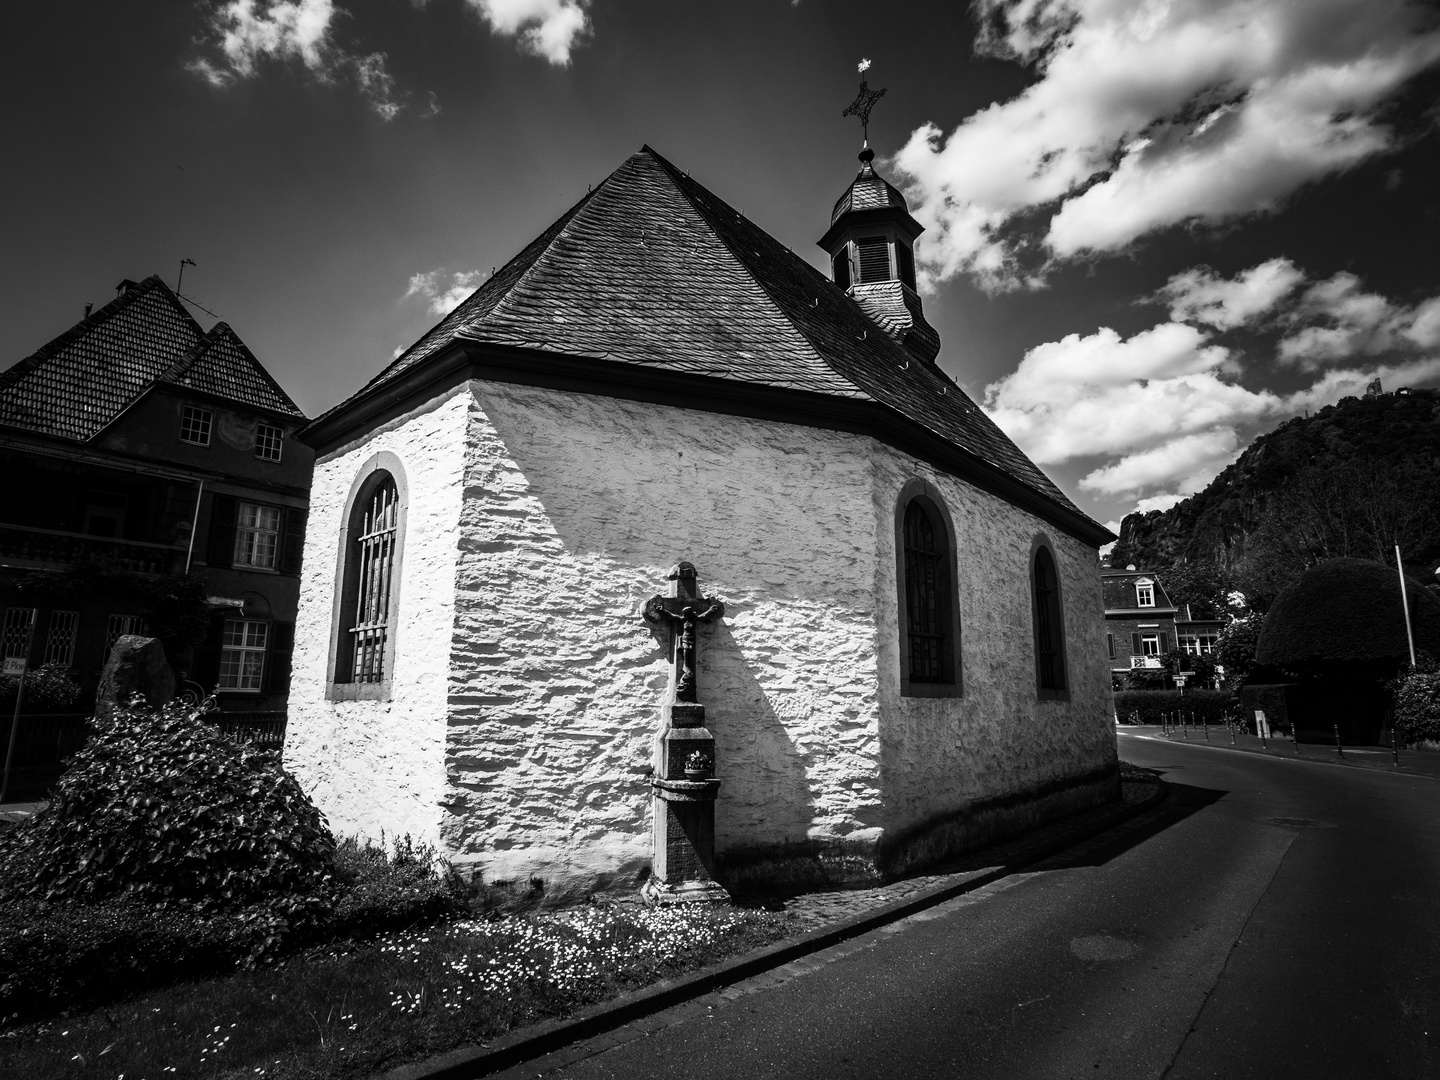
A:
1231,725
1206,721
1394,746
1295,736
1338,748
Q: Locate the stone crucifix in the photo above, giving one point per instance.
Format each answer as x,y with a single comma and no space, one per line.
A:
682,611
683,783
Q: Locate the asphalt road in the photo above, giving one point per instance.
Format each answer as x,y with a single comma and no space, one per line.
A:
1272,919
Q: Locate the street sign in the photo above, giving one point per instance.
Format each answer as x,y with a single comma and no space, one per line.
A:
1180,680
14,665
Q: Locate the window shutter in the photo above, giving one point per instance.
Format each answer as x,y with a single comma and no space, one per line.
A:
874,260
277,664
1135,644
221,550
905,259
292,541
842,267
1110,644
1164,643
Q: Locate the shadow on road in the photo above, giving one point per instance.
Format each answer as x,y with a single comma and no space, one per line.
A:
1183,801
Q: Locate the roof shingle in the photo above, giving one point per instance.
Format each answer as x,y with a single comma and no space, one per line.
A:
74,386
654,270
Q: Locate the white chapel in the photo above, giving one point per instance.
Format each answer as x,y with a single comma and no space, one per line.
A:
665,557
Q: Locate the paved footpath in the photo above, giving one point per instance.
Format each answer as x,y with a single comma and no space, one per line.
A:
1412,762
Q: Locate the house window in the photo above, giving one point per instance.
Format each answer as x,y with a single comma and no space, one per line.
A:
375,563
118,626
242,654
874,259
1049,626
60,642
1201,644
15,637
1149,645
1145,595
268,439
257,535
195,425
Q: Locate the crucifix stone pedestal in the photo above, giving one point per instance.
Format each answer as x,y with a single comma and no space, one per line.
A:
683,785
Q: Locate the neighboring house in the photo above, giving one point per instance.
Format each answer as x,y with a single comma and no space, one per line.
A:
909,660
137,446
1142,624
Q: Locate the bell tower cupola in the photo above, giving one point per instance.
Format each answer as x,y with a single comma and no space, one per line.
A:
871,244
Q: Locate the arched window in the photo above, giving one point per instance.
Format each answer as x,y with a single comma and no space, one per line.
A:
929,628
1049,625
367,585
375,566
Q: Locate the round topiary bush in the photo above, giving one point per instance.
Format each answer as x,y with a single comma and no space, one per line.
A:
159,805
1417,708
1347,611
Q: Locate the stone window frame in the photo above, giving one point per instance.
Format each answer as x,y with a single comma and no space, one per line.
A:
376,469
1042,542
934,503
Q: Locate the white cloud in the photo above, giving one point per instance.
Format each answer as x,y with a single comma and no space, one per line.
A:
1157,502
1148,115
1187,463
249,33
1198,295
1337,319
443,292
1161,412
550,29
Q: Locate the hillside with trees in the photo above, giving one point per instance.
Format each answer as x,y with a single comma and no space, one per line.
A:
1351,481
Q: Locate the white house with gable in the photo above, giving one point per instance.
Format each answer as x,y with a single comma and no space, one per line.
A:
911,655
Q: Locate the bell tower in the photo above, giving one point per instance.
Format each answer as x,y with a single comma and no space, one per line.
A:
871,244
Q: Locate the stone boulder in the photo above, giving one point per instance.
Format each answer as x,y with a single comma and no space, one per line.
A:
136,665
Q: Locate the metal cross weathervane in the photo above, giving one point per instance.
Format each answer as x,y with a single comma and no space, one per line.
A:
864,102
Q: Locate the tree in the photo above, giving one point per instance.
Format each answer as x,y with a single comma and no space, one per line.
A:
1235,650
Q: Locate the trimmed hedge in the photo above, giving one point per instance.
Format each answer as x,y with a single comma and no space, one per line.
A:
1147,706
1417,708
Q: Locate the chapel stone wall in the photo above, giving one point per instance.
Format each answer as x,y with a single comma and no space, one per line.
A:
575,509
378,766
958,771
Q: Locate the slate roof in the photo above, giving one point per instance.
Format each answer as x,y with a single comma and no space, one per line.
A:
1119,590
868,191
77,384
654,270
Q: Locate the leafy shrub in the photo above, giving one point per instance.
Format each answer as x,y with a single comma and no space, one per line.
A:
1417,708
48,688
1146,706
160,806
69,956
390,890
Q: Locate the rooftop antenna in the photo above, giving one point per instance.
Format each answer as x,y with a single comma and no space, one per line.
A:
863,103
183,263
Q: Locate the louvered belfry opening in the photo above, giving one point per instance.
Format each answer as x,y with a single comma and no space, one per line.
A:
1049,668
874,259
926,588
375,564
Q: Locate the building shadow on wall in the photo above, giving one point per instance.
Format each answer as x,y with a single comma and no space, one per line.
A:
766,807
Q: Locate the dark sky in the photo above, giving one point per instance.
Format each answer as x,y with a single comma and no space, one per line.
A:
335,168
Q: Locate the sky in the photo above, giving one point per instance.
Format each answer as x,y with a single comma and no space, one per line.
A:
1154,228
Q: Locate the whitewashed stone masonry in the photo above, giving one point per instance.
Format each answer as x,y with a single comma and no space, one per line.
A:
526,686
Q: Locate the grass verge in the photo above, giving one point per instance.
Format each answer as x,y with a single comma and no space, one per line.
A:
343,1011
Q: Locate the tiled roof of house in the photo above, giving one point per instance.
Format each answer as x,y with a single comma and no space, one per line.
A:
1119,590
78,383
654,270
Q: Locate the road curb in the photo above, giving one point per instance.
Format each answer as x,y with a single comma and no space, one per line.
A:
537,1040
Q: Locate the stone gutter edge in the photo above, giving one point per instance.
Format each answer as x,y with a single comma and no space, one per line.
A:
547,1036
